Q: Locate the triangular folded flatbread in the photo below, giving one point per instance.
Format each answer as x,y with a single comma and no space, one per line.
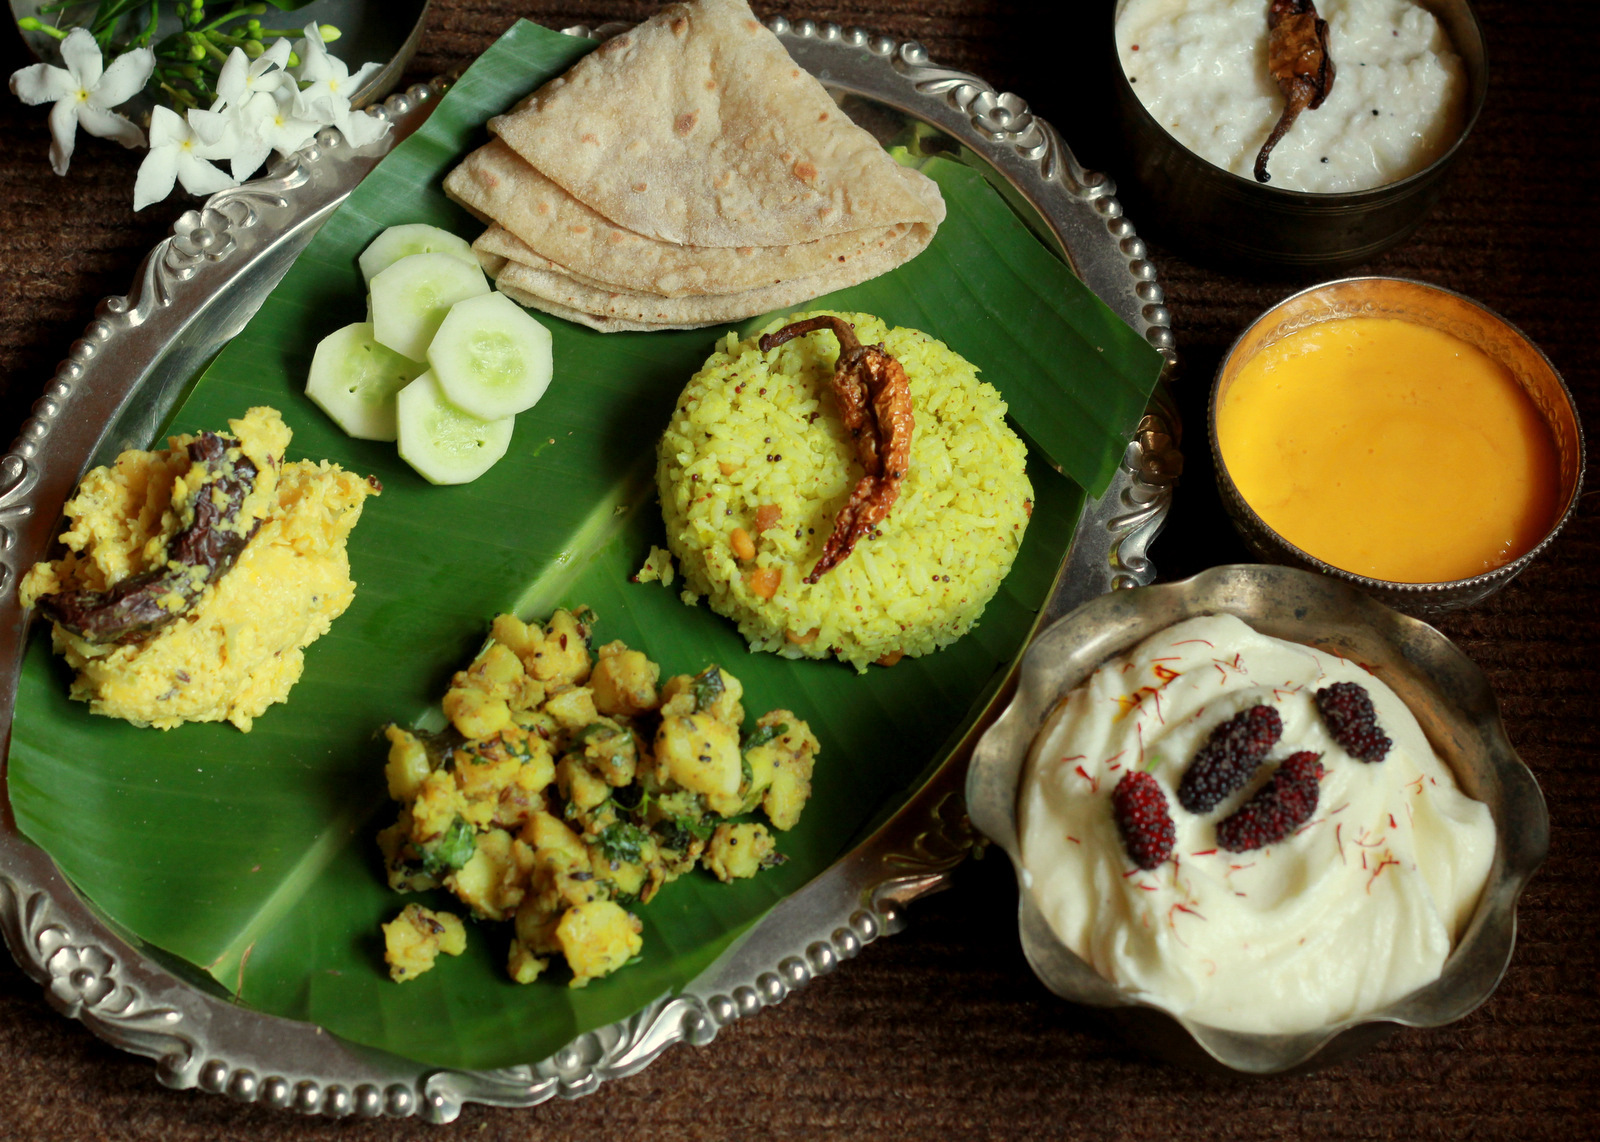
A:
578,316
539,277
495,183
697,128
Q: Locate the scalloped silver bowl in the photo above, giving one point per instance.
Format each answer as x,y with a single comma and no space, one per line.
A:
1437,308
1452,702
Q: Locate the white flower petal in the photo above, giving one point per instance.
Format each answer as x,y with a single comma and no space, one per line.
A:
321,106
42,83
63,133
288,134
210,128
353,83
157,174
278,53
363,129
231,80
167,129
255,111
124,79
110,125
315,62
200,177
82,56
248,158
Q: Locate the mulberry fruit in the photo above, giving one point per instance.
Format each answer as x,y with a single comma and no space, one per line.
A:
1279,807
1142,817
1228,759
1346,708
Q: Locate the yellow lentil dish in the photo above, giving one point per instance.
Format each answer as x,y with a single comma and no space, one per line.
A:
566,791
194,576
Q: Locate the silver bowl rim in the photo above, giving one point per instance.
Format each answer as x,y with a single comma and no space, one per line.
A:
1472,589
1081,641
1339,199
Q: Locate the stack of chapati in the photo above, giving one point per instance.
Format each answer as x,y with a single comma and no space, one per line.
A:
687,173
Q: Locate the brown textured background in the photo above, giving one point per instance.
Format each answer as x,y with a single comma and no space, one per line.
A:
942,1032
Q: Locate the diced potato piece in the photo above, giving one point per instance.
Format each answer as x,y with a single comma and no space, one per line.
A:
579,786
610,752
497,671
475,714
482,775
523,795
624,681
794,755
522,965
414,939
530,695
437,805
407,765
577,885
738,851
701,754
562,657
678,697
639,878
536,722
403,875
550,837
516,636
763,762
537,916
498,674
494,881
557,655
573,708
679,803
597,939
787,796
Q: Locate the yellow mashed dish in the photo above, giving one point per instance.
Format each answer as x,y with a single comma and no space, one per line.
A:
195,576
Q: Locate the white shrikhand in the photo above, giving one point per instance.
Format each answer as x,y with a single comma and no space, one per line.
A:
1356,909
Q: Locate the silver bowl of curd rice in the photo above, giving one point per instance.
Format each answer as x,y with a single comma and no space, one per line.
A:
1195,99
1251,925
1397,436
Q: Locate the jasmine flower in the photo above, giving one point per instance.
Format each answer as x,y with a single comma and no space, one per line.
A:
84,92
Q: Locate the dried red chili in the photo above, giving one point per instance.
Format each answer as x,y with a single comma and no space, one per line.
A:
874,398
204,548
1298,56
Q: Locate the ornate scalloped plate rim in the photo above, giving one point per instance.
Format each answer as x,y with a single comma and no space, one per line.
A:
133,1003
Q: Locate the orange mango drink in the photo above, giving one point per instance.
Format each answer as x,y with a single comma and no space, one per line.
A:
1390,449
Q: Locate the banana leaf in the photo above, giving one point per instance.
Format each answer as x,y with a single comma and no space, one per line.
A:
252,856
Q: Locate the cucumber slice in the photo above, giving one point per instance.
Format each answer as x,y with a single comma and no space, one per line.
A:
490,357
444,444
355,380
411,297
416,238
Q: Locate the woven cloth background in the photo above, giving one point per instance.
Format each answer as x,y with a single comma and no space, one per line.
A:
942,1032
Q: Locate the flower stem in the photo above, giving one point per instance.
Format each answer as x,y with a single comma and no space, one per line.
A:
241,10
29,24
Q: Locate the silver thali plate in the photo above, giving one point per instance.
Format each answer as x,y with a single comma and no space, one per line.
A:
197,289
